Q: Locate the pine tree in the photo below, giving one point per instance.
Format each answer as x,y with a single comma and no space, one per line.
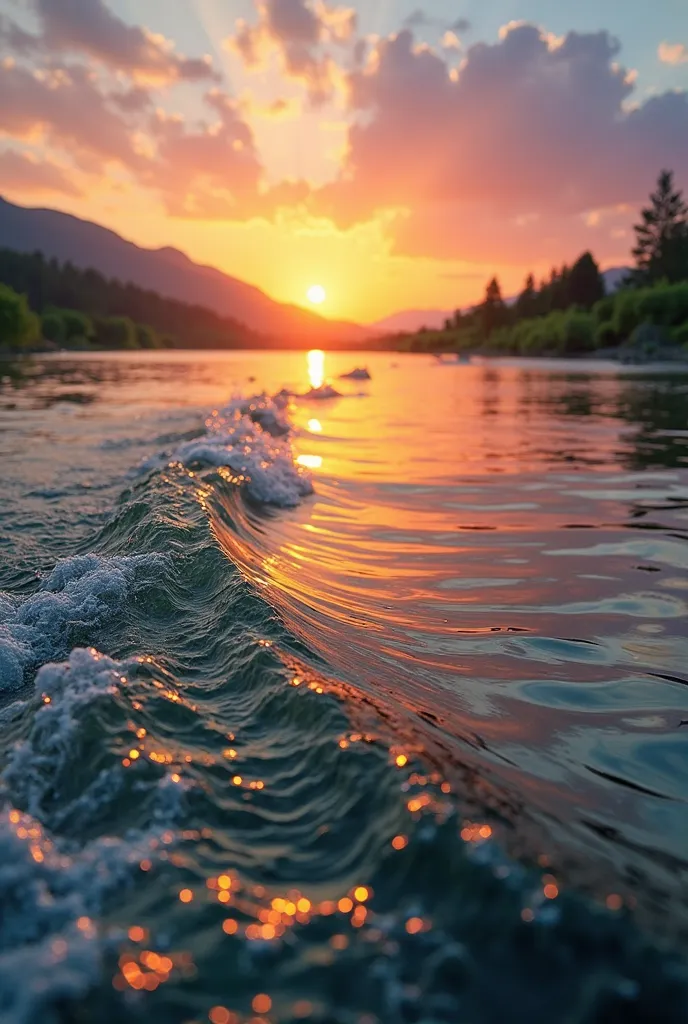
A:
661,249
494,313
527,302
585,284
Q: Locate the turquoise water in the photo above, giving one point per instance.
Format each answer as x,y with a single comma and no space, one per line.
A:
362,709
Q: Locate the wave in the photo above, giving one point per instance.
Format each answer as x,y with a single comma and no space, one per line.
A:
249,437
61,861
210,810
81,593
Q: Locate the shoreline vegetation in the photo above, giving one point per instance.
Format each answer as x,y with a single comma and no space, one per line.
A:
570,314
47,306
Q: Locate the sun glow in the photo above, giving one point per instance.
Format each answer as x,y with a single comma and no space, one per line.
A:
316,294
316,368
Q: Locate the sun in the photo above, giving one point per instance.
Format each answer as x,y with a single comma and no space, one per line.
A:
316,294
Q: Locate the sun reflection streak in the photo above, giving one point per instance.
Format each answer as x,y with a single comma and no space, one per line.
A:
316,367
310,461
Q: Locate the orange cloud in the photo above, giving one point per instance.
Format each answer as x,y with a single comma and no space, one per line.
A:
302,35
26,172
672,53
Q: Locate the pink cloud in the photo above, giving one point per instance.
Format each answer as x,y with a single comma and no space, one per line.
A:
211,170
672,53
31,175
65,107
532,131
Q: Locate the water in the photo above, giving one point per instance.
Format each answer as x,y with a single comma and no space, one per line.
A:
368,709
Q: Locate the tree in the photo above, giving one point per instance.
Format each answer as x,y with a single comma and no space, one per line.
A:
19,327
527,302
146,337
53,328
661,250
585,284
493,312
116,332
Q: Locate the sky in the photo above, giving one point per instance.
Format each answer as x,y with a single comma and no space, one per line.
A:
397,152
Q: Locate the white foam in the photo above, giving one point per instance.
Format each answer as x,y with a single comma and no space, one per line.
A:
80,594
52,889
251,438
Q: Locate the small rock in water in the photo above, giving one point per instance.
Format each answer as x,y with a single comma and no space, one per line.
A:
359,373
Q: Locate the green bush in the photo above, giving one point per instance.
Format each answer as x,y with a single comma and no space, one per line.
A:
19,327
603,310
679,335
146,337
677,304
577,332
68,327
116,332
606,336
76,325
53,328
626,313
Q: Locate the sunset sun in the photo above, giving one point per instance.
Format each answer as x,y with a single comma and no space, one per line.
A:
316,294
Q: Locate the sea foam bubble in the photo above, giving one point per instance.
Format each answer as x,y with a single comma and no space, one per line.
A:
81,593
53,886
251,438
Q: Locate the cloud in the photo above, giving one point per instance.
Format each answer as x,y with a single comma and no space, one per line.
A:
89,27
672,53
417,19
531,131
207,171
64,107
31,175
421,19
14,39
450,41
304,35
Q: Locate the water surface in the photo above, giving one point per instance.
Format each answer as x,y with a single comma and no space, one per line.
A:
423,728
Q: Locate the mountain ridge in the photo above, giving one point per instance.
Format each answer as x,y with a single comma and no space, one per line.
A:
166,270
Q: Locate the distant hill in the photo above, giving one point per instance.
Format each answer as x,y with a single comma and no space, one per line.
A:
411,320
168,272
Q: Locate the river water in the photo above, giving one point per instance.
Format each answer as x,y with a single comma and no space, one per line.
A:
368,708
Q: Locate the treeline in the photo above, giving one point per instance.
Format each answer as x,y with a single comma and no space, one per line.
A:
569,313
45,303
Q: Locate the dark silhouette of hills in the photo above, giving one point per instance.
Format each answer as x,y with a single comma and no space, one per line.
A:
168,272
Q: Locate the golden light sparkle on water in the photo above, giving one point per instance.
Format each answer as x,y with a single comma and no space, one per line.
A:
310,461
316,294
316,367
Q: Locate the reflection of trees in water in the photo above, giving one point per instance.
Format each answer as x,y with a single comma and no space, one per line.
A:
657,408
55,379
654,406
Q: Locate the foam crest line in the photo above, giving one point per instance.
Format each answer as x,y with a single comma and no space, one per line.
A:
252,439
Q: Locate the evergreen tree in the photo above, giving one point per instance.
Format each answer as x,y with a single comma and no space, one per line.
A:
493,312
661,250
585,285
527,302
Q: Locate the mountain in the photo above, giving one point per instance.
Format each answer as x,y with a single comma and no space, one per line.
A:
411,320
167,271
